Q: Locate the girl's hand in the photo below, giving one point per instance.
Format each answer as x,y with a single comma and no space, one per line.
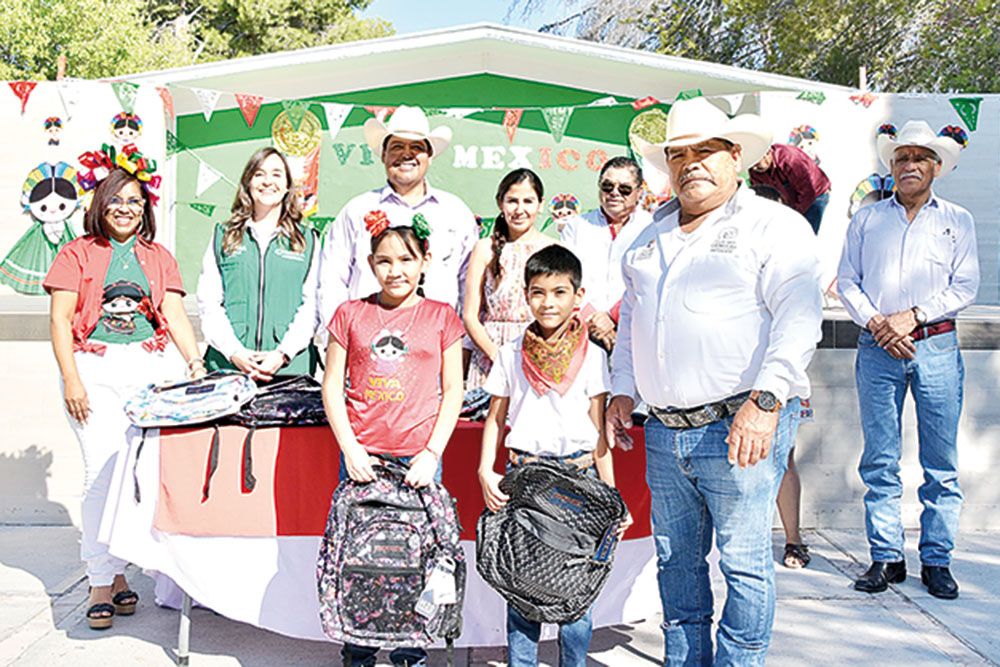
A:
494,497
625,525
269,363
77,403
423,467
359,465
244,360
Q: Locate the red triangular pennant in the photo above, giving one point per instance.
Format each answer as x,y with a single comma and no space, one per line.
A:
647,101
23,90
249,106
380,112
511,119
168,100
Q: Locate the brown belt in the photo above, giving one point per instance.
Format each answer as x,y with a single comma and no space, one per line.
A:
928,330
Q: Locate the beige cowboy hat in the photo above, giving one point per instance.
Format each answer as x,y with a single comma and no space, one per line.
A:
406,123
696,120
919,133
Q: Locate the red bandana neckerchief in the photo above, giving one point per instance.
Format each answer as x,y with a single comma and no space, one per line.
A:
554,363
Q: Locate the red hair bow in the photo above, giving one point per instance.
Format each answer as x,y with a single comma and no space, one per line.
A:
376,222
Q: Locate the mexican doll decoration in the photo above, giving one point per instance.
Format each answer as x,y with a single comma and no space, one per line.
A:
50,195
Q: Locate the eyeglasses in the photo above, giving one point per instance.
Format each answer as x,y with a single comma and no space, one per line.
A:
624,189
118,202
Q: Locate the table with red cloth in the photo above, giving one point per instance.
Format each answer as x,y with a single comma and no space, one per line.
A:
242,539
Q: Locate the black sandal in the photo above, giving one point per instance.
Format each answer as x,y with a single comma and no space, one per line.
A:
96,616
796,556
125,602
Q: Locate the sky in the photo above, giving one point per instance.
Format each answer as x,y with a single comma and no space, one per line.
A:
408,16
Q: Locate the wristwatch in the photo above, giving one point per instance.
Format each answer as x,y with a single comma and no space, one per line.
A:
766,401
919,315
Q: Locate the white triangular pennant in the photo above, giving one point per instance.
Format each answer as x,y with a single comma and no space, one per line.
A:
603,102
336,114
69,94
734,102
207,177
207,99
460,112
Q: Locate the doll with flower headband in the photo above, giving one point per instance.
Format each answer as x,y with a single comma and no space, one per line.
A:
393,381
125,129
50,195
116,307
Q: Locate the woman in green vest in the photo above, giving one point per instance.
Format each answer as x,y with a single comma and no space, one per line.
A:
257,290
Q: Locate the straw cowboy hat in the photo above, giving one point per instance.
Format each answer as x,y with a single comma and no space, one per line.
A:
696,120
406,123
919,133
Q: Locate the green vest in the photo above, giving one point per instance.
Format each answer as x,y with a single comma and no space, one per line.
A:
261,296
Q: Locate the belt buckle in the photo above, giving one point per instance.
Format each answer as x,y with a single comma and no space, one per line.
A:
702,416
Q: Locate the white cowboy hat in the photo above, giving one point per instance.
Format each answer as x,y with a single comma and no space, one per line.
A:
919,133
696,120
406,123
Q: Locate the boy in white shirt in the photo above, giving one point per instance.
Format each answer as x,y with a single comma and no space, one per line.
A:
553,382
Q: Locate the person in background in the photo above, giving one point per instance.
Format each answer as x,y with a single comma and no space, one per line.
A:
257,290
909,266
600,237
116,303
496,310
801,182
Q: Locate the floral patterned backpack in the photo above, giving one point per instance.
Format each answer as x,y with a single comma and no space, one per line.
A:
391,570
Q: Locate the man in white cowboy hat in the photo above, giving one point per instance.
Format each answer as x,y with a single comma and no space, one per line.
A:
909,266
407,146
720,317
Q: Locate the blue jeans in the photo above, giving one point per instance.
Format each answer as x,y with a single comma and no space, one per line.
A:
935,378
364,656
814,214
694,490
522,641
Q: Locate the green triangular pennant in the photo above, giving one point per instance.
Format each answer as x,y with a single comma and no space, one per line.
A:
205,209
557,118
320,223
173,145
296,111
689,94
126,92
814,96
968,109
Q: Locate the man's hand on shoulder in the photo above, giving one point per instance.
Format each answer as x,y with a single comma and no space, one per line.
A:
750,435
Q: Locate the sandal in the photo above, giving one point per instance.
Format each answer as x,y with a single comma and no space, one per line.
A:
100,616
796,556
125,602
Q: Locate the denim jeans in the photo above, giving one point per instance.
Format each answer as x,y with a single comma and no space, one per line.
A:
522,634
364,656
814,214
522,641
934,377
694,490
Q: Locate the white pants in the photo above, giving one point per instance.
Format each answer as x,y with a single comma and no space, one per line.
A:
110,380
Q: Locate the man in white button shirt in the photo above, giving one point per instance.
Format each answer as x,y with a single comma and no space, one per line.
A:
407,146
600,237
909,265
720,318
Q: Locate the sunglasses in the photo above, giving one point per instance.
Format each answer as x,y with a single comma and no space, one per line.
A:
624,189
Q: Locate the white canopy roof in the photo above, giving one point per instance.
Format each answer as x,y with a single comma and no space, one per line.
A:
463,51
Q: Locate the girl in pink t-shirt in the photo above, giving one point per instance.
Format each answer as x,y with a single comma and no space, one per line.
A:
393,381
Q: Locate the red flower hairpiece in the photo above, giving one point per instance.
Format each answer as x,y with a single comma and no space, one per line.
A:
376,222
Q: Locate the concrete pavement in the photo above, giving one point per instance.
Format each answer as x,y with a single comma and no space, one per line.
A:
820,618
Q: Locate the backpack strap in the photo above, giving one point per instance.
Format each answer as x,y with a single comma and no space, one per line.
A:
249,481
135,467
213,462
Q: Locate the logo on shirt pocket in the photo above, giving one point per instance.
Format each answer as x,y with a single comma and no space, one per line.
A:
725,241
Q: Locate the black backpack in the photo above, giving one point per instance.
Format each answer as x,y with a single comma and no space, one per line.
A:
549,550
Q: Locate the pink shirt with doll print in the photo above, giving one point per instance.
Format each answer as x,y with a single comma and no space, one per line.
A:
394,358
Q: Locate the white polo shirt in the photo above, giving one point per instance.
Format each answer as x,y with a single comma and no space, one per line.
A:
549,425
732,306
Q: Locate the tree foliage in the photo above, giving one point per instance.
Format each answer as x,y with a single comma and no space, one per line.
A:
905,45
106,38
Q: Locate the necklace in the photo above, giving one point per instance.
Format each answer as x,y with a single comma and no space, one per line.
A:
124,253
378,311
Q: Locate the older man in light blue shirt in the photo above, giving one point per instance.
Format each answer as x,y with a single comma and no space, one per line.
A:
909,266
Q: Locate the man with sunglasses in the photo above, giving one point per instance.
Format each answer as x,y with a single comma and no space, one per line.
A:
720,317
909,266
600,237
798,178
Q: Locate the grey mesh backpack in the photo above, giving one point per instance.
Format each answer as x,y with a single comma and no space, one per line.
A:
549,550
